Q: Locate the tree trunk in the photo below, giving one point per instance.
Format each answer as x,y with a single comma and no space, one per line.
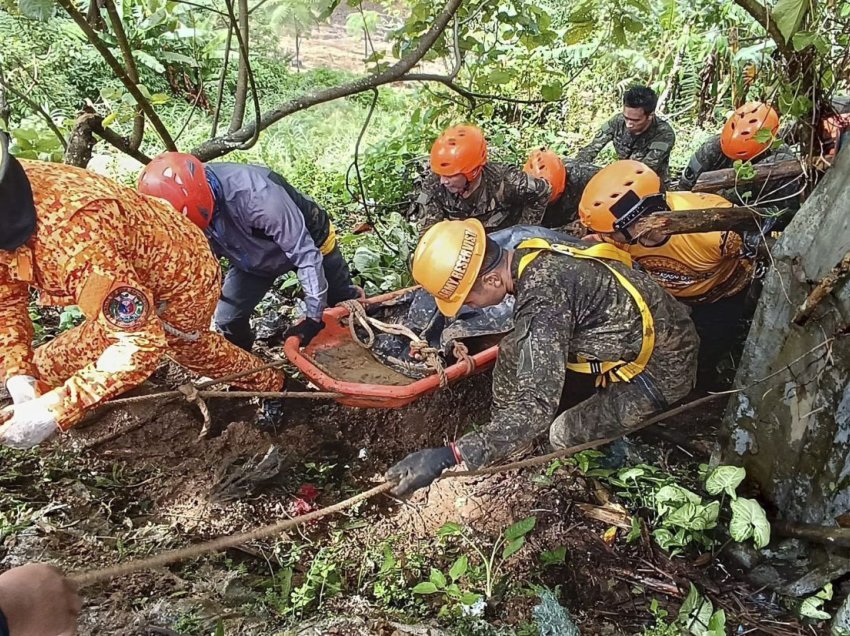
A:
81,141
718,180
691,221
792,431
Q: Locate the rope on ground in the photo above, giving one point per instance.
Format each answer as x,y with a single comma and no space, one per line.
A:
358,316
83,579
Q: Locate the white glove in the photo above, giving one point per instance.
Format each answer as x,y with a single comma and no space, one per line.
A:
22,388
32,423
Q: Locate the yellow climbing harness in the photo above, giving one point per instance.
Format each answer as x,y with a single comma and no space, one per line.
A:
330,242
602,253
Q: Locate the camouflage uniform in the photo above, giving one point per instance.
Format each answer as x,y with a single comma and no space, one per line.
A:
566,307
565,209
710,157
142,275
652,147
506,196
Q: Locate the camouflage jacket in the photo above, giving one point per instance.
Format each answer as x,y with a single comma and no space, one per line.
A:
506,196
652,147
568,307
710,157
565,209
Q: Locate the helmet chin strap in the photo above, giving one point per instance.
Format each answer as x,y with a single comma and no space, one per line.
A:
630,208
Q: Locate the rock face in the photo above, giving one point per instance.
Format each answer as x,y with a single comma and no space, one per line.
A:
792,431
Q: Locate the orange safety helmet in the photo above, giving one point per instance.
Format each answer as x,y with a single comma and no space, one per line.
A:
447,261
459,150
737,140
545,164
179,178
618,195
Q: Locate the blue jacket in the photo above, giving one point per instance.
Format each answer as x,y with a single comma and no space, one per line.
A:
264,226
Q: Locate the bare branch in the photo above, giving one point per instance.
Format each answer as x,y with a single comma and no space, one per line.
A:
240,26
221,78
119,71
114,139
132,71
36,107
222,145
243,51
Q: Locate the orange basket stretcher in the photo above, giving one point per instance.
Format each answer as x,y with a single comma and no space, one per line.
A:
336,334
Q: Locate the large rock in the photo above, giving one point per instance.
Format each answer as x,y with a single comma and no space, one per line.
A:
792,431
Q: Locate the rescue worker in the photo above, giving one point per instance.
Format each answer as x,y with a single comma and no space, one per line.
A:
566,178
463,184
143,277
37,600
710,271
637,133
577,309
266,228
741,140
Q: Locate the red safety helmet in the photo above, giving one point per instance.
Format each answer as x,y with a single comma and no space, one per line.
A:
179,178
459,150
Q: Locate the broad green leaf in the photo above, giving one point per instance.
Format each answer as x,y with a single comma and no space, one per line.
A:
437,578
520,528
178,58
717,624
788,15
763,135
671,497
109,119
725,478
579,32
499,76
811,608
150,61
459,568
631,474
552,92
706,517
453,590
826,592
470,598
426,587
26,134
558,556
696,612
682,516
389,561
635,532
748,520
158,99
449,529
512,547
41,10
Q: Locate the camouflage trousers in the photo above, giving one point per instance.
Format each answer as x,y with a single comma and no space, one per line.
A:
186,319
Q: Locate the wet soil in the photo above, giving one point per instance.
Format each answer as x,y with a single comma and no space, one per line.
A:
350,362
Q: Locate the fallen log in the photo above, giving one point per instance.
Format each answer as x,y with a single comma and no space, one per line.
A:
705,220
717,180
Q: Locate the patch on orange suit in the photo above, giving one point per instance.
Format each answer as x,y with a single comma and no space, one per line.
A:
126,308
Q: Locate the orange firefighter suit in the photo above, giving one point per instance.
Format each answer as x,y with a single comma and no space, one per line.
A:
142,275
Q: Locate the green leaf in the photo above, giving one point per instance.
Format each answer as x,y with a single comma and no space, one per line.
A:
499,76
437,578
696,612
579,33
219,628
470,598
389,561
763,135
520,528
558,556
158,99
671,497
717,624
459,568
450,529
41,10
109,119
811,608
631,474
635,532
426,587
512,547
748,520
788,14
682,516
826,592
552,92
178,58
150,61
725,478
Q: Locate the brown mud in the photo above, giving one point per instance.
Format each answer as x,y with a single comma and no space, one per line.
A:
350,362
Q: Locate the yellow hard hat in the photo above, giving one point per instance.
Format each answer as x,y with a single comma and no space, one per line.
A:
447,261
